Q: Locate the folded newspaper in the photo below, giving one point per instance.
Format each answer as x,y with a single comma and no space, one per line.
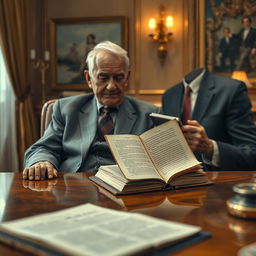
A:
92,230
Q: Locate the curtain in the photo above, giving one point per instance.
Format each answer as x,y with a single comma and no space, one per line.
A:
13,36
8,138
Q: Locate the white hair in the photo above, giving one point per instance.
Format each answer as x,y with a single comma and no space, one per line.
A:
105,46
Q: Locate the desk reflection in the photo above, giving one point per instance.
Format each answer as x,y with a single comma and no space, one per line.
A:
5,185
20,198
215,216
202,206
39,186
64,191
148,200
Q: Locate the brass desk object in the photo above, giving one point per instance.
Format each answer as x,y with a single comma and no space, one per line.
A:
243,204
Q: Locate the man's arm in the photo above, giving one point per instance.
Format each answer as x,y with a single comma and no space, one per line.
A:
43,157
221,46
253,50
240,152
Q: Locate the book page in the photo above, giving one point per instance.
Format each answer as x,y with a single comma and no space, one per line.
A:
131,157
168,149
92,230
112,175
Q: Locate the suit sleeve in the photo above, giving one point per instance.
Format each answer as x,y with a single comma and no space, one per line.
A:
48,147
221,45
240,154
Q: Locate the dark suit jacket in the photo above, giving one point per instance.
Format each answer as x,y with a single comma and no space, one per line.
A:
68,138
250,40
228,49
224,109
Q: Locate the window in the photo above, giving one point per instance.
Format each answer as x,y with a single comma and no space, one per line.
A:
8,134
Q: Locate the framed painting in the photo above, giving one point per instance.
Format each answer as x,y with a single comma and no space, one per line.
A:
227,47
73,38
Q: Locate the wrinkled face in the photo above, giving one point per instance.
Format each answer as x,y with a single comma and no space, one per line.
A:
246,23
109,80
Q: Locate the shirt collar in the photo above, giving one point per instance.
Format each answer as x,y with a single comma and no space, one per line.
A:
195,84
99,105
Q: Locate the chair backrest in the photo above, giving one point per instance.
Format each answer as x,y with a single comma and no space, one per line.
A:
46,115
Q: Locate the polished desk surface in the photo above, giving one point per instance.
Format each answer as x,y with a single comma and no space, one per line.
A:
202,206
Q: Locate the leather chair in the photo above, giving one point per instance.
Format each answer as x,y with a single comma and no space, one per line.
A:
46,115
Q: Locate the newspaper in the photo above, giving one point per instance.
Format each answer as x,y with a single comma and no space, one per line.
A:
92,230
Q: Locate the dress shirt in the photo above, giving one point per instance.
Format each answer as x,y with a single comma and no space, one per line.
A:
246,31
194,85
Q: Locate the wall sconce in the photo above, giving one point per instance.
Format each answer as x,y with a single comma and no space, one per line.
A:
42,66
160,32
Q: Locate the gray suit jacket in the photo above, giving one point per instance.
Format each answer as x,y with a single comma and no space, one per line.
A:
68,138
224,109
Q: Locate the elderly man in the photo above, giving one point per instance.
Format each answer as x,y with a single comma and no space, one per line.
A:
74,140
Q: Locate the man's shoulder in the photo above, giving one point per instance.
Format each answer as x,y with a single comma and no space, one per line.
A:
211,80
75,102
76,98
226,83
173,89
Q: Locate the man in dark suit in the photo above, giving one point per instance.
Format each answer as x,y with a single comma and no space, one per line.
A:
247,39
73,142
220,131
228,50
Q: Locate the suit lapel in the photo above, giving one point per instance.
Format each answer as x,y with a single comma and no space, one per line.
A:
205,95
176,100
88,125
126,118
249,34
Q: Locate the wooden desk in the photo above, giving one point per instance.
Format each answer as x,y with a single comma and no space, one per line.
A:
203,206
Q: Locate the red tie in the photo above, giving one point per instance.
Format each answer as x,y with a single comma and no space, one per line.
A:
105,123
186,113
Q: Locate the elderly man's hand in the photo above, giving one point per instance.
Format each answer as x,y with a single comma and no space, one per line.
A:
197,138
40,171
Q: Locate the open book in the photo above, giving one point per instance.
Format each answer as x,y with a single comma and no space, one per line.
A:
92,230
158,159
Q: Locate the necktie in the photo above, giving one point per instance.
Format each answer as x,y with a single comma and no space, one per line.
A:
186,113
105,123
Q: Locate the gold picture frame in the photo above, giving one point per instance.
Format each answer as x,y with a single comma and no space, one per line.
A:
73,38
223,14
